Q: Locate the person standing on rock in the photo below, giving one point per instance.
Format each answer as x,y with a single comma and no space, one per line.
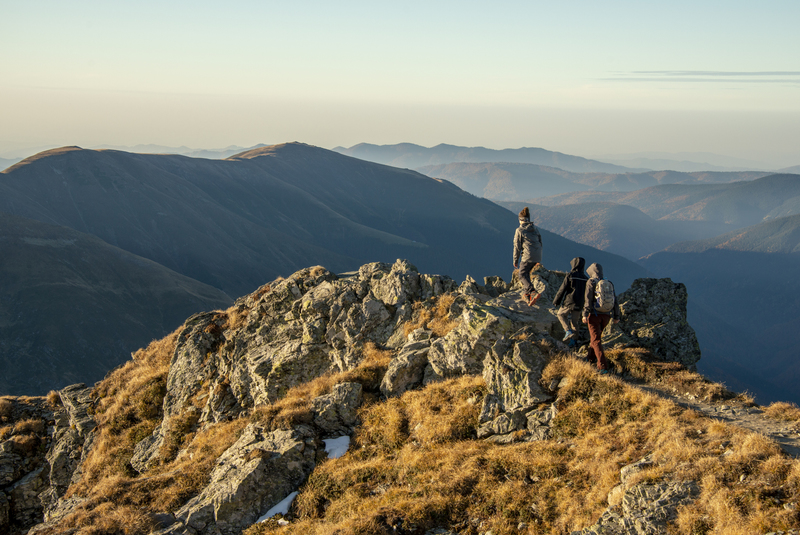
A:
527,254
599,308
570,298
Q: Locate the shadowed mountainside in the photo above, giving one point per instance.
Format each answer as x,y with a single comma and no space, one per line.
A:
264,213
415,156
520,181
745,302
72,307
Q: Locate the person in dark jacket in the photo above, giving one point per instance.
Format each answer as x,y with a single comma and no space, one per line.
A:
569,299
597,321
527,253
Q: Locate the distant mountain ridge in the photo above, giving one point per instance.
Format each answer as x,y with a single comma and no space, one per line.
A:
520,182
735,205
413,156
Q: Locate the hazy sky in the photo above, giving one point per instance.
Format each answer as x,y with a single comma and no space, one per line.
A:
582,77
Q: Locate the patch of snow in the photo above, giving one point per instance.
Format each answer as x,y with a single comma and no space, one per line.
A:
282,508
336,447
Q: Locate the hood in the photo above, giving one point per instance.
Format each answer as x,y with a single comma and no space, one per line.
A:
577,264
595,271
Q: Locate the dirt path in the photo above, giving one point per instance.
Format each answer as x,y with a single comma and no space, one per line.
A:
785,434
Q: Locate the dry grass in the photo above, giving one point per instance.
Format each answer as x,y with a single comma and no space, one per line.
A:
6,409
434,315
31,426
53,399
295,407
415,465
6,431
118,500
640,364
128,409
786,412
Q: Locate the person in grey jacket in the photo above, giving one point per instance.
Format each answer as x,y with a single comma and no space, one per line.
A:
595,320
569,299
527,253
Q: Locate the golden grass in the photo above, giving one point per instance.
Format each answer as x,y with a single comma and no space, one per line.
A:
640,364
31,426
414,463
6,409
786,412
434,315
128,409
53,399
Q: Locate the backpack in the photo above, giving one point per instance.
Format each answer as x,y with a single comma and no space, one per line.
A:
604,296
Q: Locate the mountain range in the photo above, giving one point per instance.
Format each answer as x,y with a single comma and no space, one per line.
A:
414,156
519,181
237,223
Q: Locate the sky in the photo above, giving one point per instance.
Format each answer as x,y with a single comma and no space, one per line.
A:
582,77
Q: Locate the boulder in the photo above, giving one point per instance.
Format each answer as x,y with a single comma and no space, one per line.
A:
252,476
654,317
646,509
335,413
407,369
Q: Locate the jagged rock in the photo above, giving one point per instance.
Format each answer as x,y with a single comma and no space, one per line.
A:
616,494
512,372
253,475
26,508
495,286
335,413
401,284
654,317
433,285
503,424
463,349
73,431
12,465
407,369
646,509
470,286
5,509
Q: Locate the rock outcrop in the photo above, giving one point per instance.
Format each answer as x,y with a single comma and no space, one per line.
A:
227,364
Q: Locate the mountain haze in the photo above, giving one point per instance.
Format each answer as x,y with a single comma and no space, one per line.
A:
518,181
415,156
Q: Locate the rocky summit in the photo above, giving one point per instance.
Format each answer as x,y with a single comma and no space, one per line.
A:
460,408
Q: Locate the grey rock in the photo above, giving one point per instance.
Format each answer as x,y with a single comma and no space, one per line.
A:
494,286
654,317
26,509
252,476
512,377
463,350
407,370
505,423
646,509
335,413
5,510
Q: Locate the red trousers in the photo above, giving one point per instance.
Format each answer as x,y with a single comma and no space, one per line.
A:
597,323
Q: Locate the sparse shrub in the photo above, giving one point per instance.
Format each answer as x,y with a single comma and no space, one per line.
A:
25,444
783,411
6,409
433,315
31,426
6,431
54,399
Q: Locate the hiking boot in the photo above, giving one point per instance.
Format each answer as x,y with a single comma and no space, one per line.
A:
572,343
532,301
603,371
569,334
